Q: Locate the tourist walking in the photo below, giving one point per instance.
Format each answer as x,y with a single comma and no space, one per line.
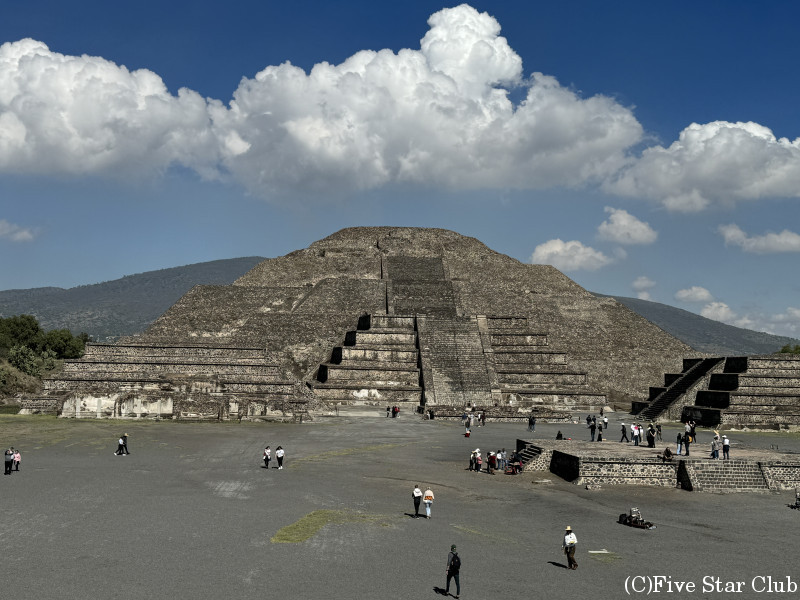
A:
267,457
279,455
624,437
726,448
636,433
478,460
125,443
417,496
658,432
9,459
605,421
600,433
428,500
687,439
569,547
17,459
679,442
120,447
452,570
592,429
388,410
472,461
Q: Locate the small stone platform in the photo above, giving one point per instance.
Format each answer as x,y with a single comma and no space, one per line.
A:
611,463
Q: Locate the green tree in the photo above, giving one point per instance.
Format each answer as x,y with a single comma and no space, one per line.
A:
48,360
20,330
24,359
63,343
787,349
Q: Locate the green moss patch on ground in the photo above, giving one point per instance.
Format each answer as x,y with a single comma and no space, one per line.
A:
308,526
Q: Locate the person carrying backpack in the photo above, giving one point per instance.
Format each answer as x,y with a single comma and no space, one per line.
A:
453,568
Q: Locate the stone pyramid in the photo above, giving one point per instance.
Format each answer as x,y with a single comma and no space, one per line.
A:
378,315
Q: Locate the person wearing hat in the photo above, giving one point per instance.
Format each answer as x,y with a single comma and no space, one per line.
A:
569,547
624,435
452,570
726,448
416,494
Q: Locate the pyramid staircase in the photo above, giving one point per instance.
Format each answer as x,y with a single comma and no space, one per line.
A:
752,391
676,385
377,364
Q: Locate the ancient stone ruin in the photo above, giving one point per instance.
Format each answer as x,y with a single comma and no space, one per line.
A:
741,391
376,316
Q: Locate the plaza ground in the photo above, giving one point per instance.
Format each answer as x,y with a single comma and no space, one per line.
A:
192,513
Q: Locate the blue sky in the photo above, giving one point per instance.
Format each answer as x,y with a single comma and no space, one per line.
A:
645,149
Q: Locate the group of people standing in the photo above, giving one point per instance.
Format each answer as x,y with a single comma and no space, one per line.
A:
595,427
392,411
494,460
638,432
279,454
12,460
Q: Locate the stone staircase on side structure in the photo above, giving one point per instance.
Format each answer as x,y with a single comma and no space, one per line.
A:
676,385
753,391
725,476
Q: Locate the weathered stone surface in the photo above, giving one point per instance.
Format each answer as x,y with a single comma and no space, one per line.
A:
484,329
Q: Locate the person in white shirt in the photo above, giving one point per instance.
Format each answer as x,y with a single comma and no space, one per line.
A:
279,455
267,457
569,547
417,495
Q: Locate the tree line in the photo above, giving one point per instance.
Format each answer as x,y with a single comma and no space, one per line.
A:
32,350
788,349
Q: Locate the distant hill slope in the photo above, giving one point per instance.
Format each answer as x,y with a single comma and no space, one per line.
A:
123,306
706,335
128,305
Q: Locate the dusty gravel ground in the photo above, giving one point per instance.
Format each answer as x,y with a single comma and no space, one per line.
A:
192,513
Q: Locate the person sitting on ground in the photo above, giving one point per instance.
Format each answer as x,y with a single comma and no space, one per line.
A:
559,436
666,456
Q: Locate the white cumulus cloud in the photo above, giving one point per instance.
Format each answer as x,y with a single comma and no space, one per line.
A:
623,228
15,233
642,286
694,294
569,256
719,311
714,163
83,114
769,243
438,115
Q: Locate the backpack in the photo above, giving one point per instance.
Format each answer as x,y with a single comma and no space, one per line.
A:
455,564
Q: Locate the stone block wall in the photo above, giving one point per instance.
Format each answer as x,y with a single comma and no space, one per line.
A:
726,476
781,475
621,471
